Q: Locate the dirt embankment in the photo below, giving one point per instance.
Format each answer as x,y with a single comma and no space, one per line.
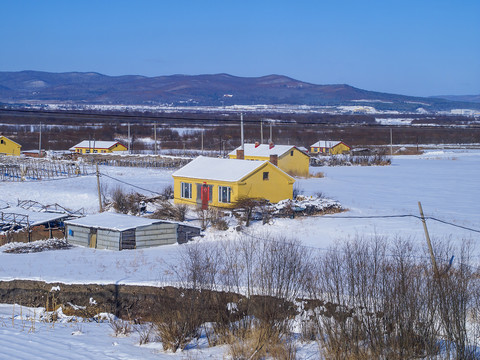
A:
121,300
134,302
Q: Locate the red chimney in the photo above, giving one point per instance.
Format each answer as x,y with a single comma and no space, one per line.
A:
240,154
274,159
271,145
257,144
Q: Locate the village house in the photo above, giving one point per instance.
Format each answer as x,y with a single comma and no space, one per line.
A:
329,147
114,231
9,147
100,147
290,158
225,181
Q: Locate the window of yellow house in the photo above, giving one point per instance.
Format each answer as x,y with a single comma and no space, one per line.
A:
224,194
186,190
265,175
291,153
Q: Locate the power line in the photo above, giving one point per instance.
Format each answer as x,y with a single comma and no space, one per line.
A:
126,183
452,224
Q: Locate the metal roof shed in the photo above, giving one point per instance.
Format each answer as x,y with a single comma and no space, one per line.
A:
118,231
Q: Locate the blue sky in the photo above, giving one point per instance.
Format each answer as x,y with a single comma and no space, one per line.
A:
421,47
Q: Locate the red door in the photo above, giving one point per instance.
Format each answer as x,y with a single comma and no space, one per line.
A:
205,196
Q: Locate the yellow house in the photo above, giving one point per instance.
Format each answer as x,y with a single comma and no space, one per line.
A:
9,147
289,158
94,147
329,147
230,180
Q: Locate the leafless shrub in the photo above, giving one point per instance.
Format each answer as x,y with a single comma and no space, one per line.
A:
177,328
248,206
125,203
377,300
211,217
121,327
168,211
167,192
145,332
378,159
260,341
457,288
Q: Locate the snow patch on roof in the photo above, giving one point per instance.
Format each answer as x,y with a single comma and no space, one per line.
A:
263,150
326,143
218,169
113,221
34,217
95,144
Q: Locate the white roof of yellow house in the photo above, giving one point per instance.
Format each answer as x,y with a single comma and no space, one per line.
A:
264,150
90,144
326,143
231,170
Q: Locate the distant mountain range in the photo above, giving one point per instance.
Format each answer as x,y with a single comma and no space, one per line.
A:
206,90
464,98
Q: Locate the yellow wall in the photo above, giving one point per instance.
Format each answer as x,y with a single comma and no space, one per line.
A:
298,164
279,186
339,149
9,147
117,147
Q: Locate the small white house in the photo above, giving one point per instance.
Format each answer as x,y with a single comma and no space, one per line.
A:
118,231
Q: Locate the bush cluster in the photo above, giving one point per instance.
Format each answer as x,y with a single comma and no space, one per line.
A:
373,298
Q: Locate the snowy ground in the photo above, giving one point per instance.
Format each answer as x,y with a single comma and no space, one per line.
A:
446,182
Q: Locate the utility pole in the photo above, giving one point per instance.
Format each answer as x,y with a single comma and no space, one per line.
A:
261,131
427,236
271,138
40,142
155,136
98,188
129,143
203,130
391,143
241,125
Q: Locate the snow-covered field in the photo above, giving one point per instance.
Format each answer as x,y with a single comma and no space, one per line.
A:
445,181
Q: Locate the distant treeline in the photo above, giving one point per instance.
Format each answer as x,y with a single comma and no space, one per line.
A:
62,130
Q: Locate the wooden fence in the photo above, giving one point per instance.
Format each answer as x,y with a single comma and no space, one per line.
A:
19,169
138,161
